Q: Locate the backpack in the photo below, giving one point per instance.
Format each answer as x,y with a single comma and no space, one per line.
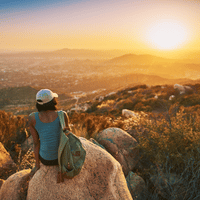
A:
71,154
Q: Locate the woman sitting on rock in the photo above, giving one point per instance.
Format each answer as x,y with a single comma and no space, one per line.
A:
45,129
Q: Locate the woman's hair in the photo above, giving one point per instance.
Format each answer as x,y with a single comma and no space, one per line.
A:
51,105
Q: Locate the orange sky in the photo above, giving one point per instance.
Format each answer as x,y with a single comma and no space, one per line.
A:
105,24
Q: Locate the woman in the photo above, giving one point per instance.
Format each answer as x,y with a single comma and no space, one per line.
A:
45,129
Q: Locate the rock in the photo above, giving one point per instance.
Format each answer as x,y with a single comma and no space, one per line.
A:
121,146
129,113
15,187
171,97
1,182
101,177
7,165
183,89
136,186
180,88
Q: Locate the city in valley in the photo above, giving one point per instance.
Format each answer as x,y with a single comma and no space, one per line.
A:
82,74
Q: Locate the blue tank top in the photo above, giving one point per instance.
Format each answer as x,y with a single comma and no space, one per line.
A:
49,134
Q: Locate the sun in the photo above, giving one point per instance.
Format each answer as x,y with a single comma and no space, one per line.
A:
167,35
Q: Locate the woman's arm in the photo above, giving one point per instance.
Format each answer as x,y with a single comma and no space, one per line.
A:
67,122
36,140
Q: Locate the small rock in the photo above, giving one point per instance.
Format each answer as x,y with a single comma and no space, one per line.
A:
136,186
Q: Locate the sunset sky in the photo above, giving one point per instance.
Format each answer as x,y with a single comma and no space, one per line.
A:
100,24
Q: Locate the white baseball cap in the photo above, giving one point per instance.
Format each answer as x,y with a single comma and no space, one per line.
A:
45,96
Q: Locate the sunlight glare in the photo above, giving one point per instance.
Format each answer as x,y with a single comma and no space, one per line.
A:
167,35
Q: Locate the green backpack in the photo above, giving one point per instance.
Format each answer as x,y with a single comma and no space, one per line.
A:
71,154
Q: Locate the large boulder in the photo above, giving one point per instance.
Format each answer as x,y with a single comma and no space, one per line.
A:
101,177
121,146
15,187
7,165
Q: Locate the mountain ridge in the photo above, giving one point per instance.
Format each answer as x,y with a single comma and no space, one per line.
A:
142,59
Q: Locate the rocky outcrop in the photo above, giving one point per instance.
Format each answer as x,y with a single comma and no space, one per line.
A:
101,177
121,146
15,187
7,165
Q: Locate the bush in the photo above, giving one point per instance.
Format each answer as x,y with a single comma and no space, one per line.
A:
127,103
141,107
172,146
93,108
189,100
175,138
88,125
10,128
106,106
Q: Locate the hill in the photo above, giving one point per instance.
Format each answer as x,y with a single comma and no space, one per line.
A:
145,98
140,59
154,65
19,94
21,100
87,53
70,54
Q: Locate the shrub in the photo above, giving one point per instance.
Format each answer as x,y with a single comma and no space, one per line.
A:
88,125
141,107
106,106
171,147
189,100
127,103
111,97
93,108
10,128
174,140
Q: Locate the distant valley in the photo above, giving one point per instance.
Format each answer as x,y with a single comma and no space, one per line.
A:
91,73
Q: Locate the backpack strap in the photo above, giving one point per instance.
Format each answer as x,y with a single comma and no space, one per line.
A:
62,118
63,142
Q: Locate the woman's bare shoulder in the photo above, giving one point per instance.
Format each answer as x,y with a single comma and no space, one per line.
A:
31,117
